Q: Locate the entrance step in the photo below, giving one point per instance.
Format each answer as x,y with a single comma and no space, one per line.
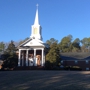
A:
29,68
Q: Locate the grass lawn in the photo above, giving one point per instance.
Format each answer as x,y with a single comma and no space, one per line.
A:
44,80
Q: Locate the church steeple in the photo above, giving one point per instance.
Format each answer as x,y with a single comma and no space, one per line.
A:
36,22
36,28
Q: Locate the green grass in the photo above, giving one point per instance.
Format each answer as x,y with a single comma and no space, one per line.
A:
44,80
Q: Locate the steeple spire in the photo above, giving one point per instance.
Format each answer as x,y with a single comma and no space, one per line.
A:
36,28
36,22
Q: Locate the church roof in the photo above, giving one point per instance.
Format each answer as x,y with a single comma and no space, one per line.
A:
75,56
32,42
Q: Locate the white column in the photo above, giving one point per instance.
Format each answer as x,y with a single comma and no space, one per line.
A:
35,64
26,57
42,57
23,59
19,57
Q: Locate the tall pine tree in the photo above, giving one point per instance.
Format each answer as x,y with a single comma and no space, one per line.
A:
11,48
53,56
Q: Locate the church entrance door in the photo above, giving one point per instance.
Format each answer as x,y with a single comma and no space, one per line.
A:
38,60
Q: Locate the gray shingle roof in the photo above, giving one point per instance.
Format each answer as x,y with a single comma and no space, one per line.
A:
75,56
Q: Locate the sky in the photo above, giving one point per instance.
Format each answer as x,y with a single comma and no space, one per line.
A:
58,18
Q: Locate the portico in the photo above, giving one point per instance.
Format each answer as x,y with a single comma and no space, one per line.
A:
31,57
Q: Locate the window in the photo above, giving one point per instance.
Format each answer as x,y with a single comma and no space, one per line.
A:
76,61
87,69
86,61
35,31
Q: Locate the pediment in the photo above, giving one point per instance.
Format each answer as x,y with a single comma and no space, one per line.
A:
32,42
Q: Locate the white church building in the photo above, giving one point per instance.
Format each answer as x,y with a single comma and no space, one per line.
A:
31,52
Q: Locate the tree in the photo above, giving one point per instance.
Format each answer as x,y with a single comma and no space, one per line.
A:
76,45
20,42
11,58
51,41
10,62
85,44
2,46
53,56
84,41
11,48
65,44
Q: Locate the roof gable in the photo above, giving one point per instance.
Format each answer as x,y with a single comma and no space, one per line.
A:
32,42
